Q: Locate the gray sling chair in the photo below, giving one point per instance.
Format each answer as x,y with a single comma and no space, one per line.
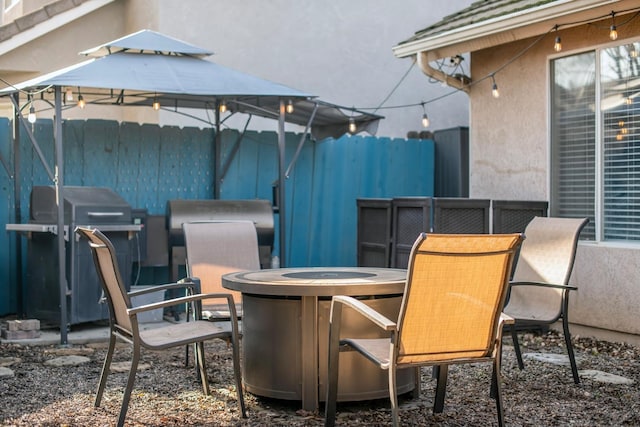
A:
215,248
539,291
450,314
123,322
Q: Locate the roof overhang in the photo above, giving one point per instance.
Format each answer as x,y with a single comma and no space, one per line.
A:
508,28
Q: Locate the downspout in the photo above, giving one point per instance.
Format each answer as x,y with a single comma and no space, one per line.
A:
423,63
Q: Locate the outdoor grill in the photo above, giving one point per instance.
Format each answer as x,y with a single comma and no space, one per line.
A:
88,206
260,212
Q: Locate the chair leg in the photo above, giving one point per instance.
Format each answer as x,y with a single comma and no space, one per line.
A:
201,367
516,346
393,394
106,367
129,387
441,388
238,374
416,383
496,375
496,389
572,357
333,365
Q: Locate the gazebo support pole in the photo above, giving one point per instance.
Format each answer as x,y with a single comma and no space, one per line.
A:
217,149
59,183
17,205
281,184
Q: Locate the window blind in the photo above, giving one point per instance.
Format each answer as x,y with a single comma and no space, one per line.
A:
620,93
573,148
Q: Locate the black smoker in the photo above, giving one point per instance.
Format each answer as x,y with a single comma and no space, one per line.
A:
88,206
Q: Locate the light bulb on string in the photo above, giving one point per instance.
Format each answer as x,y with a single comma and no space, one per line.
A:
81,101
425,118
31,118
223,107
613,32
289,108
352,125
494,88
156,104
557,46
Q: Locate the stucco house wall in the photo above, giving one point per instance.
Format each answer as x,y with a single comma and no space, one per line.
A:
509,155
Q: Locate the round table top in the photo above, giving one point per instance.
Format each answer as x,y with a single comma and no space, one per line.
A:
318,281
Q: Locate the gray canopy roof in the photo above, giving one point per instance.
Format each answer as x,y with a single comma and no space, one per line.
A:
147,66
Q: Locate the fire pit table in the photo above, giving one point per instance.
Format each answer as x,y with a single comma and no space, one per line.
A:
285,331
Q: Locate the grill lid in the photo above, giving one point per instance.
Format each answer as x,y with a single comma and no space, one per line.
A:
86,205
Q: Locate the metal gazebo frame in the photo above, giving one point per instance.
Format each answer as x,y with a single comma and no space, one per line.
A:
147,67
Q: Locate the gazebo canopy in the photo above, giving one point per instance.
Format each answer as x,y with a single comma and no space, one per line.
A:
147,67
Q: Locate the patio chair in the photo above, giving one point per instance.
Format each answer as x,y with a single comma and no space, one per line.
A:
539,291
215,248
450,313
123,322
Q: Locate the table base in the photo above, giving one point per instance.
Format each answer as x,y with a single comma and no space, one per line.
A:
284,348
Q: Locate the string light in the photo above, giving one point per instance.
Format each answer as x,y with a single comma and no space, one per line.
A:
156,103
613,32
425,118
81,101
352,125
494,88
557,46
31,118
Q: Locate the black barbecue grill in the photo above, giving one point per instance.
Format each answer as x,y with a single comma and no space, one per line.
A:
260,212
88,206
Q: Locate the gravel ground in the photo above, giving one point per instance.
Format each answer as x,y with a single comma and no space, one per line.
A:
168,394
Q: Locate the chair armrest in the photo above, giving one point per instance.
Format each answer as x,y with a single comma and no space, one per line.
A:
505,319
155,288
366,311
184,300
544,285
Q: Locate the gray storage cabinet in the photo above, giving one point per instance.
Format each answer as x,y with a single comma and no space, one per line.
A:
374,232
411,216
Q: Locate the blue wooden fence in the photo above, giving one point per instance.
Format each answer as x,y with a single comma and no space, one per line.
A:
149,165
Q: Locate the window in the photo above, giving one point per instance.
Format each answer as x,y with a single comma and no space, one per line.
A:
595,141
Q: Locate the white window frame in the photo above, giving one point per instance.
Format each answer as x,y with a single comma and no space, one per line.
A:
599,149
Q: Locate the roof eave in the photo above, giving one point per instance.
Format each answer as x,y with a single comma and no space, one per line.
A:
53,23
496,31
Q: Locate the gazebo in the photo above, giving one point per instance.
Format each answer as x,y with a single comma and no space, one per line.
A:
153,70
